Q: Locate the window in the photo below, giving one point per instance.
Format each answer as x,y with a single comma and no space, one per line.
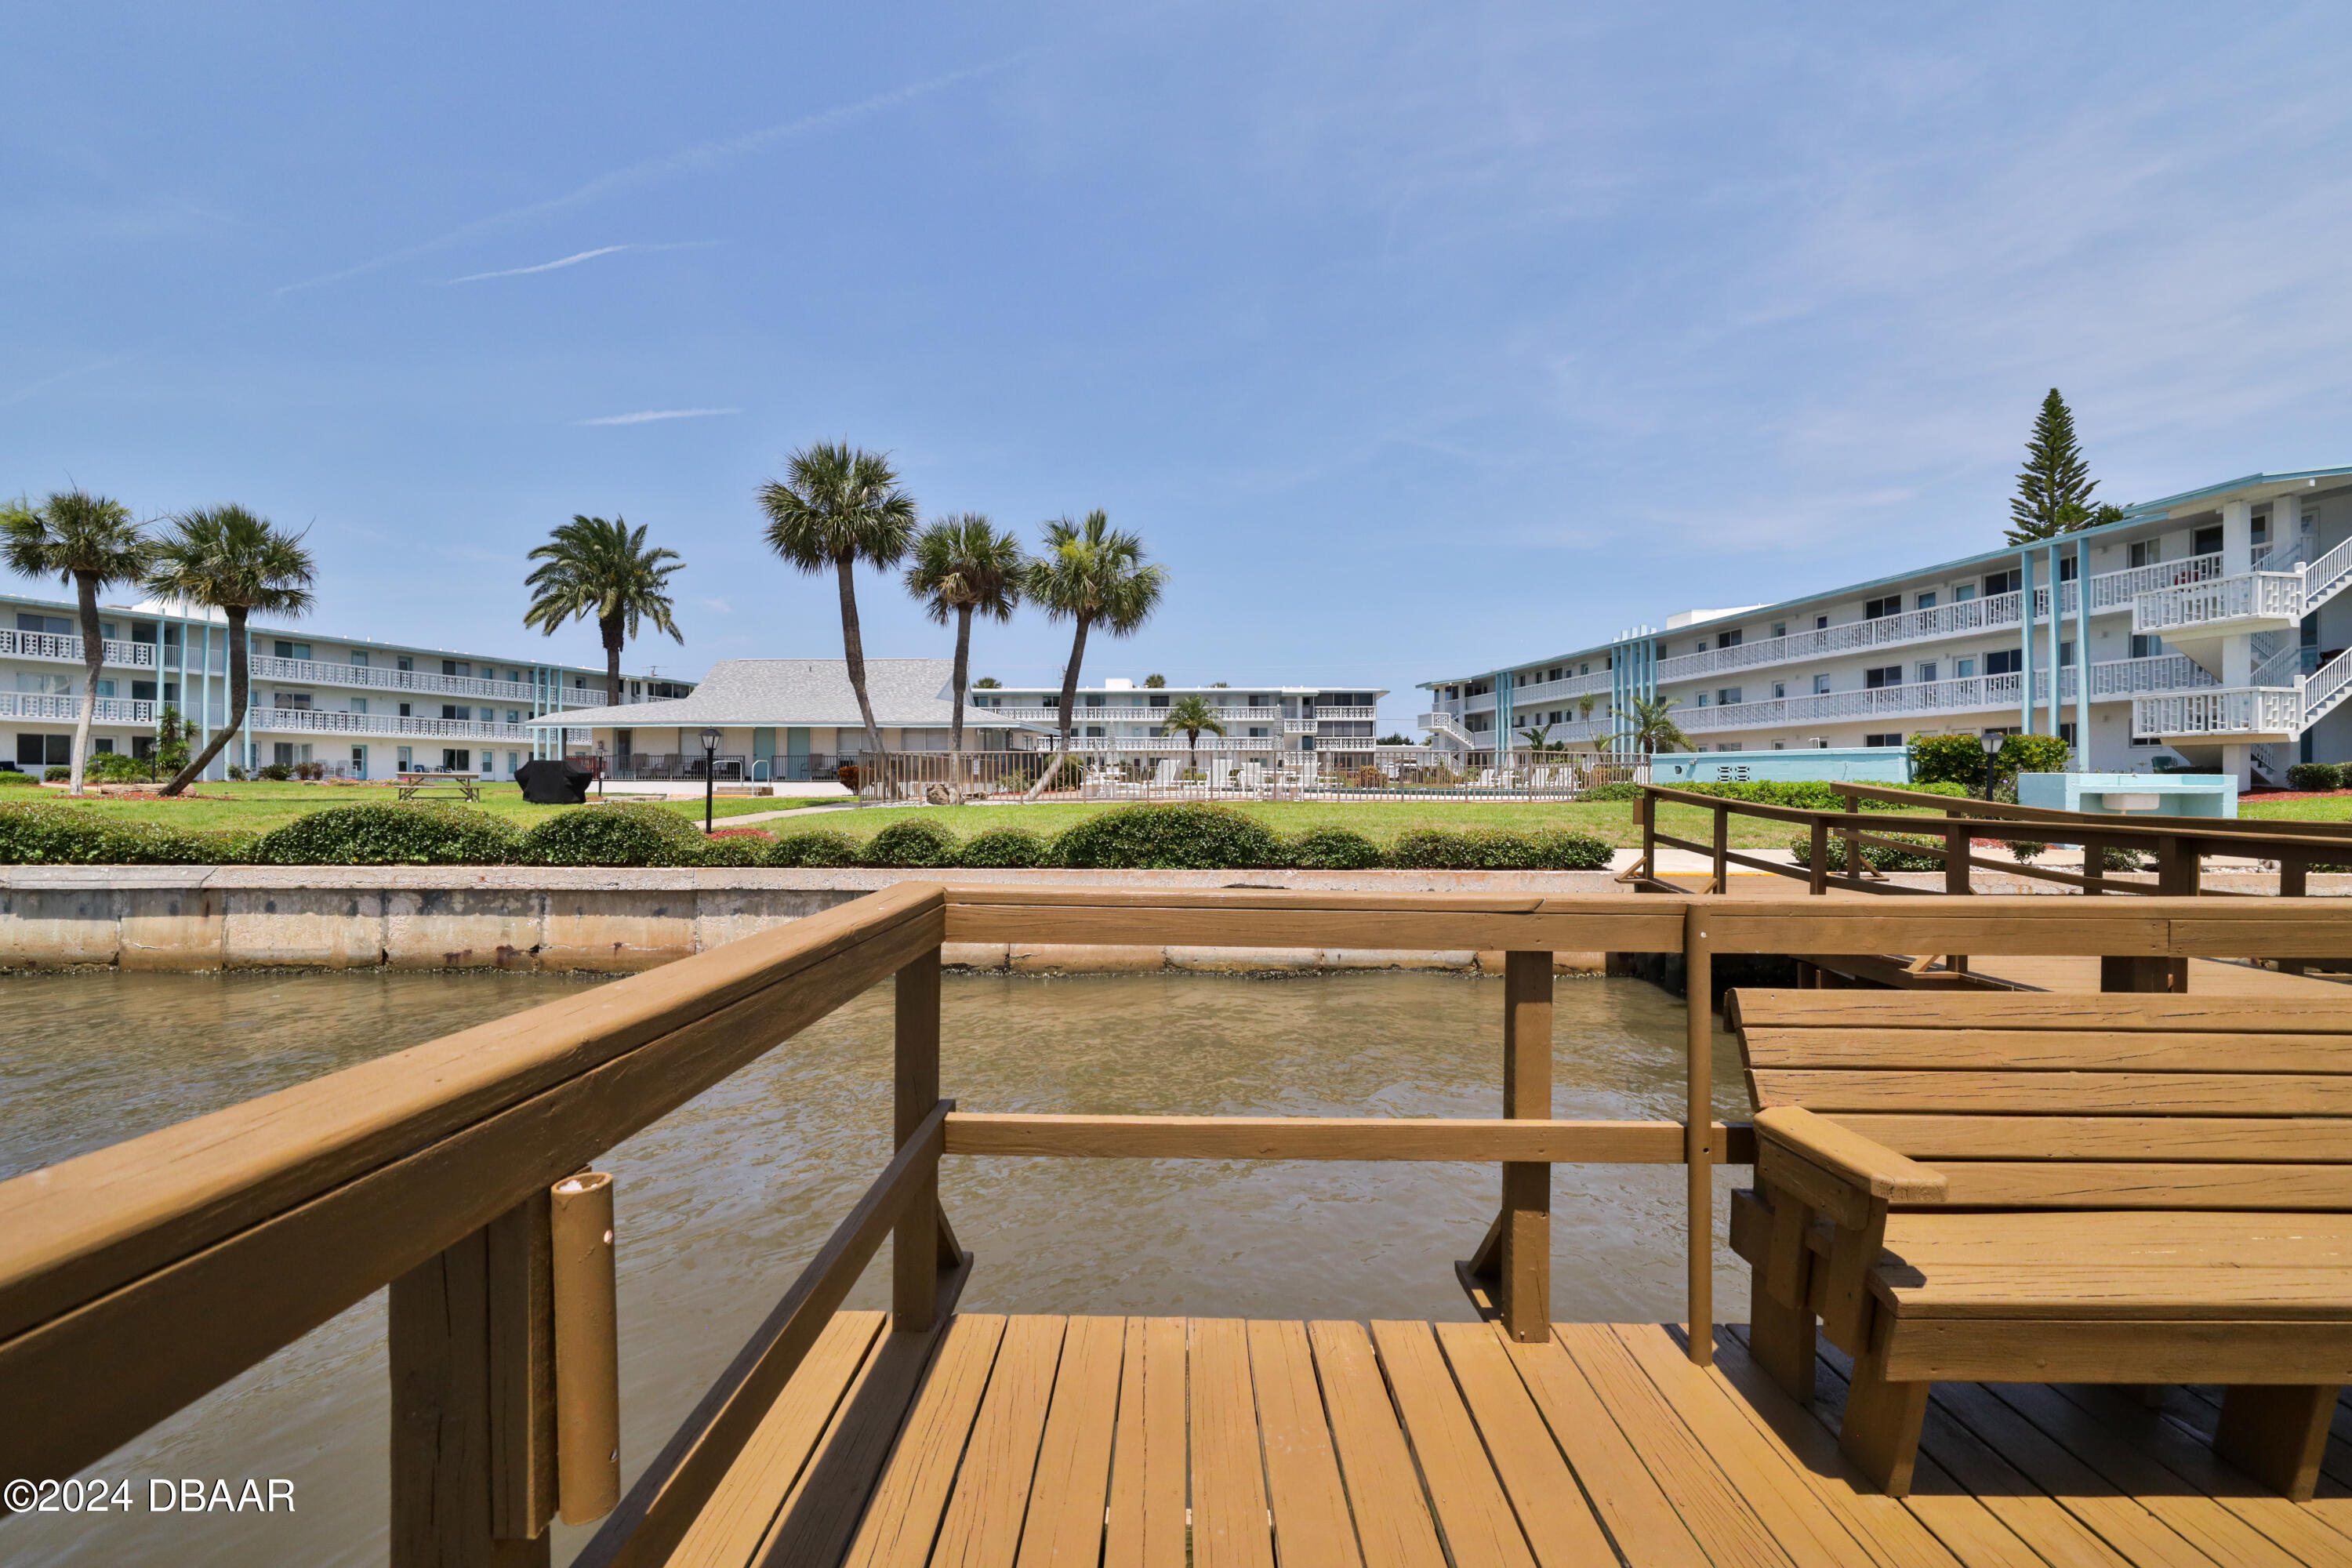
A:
2065,654
2005,661
1927,670
171,635
359,762
292,649
1879,609
514,715
1964,669
456,710
1586,668
2003,582
103,745
2206,541
142,691
1820,684
1780,628
404,711
1731,746
1094,731
1054,699
404,662
106,688
459,760
1893,739
1780,688
456,666
1728,696
1923,601
51,625
2144,646
1727,639
1702,699
142,747
142,631
1964,593
2066,734
1554,673
1884,675
1820,623
44,751
2067,567
359,704
1094,702
51,685
1158,701
2147,553
2146,740
171,691
298,702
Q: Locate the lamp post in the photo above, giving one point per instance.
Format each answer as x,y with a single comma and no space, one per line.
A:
710,774
1991,744
600,770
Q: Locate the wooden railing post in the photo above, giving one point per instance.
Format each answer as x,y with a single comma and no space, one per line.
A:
1647,809
1698,1126
1524,1298
473,1408
1722,847
915,1247
1819,882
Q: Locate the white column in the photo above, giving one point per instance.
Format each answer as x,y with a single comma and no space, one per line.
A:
2237,537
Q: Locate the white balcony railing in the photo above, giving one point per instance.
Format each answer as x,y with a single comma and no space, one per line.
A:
1328,711
1107,715
1446,727
67,650
327,721
2164,672
40,705
367,676
2241,710
1996,611
2325,686
1970,694
2250,596
1567,686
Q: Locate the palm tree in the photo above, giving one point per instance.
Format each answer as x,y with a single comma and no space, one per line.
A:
602,571
1539,739
224,558
962,565
1091,573
1192,714
1649,728
840,505
92,542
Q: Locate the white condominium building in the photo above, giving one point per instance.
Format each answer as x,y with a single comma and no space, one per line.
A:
1260,721
2207,628
359,707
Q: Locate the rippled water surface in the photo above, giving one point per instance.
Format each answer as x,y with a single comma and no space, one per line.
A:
720,1202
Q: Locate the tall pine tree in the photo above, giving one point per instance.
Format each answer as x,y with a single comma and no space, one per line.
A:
2053,488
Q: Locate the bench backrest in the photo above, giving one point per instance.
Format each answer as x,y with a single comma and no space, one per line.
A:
2054,1099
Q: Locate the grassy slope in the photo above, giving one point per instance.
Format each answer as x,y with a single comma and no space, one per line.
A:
1380,821
261,804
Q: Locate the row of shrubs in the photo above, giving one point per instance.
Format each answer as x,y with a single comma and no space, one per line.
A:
2318,776
1886,857
1187,836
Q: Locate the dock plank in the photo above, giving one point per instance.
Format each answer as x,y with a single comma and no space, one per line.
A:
1559,1526
1145,1525
1303,1492
821,1515
1625,1494
1067,1500
1231,1527
904,1517
1393,1526
981,1527
1476,1517
1709,1504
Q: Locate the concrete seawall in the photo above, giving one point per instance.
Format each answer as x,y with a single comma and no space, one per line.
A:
566,919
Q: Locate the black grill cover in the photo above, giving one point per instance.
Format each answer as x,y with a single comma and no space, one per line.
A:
548,781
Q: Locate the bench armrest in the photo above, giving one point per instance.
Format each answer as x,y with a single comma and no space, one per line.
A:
1865,1163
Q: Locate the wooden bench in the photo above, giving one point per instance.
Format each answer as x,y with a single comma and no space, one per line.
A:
2051,1187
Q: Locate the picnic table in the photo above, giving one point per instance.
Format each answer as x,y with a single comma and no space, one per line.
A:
458,786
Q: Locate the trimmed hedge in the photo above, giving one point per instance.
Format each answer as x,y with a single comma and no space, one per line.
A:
628,835
1877,857
814,846
915,841
45,833
11,776
1497,849
1168,838
1333,849
2315,775
1611,792
1000,847
418,833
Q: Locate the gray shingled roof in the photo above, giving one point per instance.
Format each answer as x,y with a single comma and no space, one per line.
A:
907,693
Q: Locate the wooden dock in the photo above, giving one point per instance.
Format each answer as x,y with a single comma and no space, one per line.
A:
1047,1442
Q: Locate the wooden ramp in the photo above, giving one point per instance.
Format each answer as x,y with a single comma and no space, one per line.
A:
1050,1442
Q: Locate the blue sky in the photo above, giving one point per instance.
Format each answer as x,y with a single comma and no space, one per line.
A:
1412,339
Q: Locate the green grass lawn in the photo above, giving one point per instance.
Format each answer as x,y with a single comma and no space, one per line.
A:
2313,809
1378,821
261,804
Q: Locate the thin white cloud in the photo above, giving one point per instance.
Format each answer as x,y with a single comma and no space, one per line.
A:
648,416
575,260
649,169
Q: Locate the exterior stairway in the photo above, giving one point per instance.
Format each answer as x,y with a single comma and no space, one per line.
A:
1447,731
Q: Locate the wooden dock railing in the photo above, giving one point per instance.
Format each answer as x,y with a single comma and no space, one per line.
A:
136,1278
2178,846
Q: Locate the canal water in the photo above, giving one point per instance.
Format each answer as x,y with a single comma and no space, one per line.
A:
720,1204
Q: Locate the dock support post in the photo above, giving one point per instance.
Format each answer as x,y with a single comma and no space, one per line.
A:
915,1247
1698,1125
587,1348
1526,1241
473,1409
